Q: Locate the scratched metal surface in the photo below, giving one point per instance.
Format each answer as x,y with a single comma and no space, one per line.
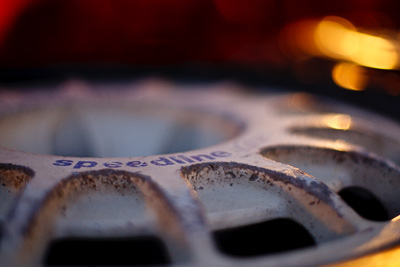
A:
156,159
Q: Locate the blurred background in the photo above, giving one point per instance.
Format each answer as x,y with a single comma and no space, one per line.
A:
345,49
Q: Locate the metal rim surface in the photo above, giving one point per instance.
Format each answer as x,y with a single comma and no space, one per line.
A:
289,166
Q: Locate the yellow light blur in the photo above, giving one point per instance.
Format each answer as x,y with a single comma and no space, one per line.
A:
395,219
375,52
337,38
334,37
337,121
349,76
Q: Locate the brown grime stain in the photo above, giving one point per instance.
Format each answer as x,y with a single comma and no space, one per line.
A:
314,188
253,177
231,175
15,176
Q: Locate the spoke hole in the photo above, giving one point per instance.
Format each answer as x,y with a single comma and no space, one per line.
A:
146,250
379,144
263,238
365,203
114,130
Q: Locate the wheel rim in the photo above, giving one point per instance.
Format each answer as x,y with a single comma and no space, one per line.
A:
292,164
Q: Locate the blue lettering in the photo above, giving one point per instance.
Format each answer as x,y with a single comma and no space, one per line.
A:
114,164
220,154
162,162
186,158
63,162
87,164
136,164
177,160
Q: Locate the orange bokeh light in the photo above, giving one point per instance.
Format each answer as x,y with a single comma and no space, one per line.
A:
350,76
336,38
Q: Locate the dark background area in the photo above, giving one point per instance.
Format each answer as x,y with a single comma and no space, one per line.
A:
45,42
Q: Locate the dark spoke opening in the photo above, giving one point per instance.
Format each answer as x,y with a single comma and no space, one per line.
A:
365,203
269,237
146,250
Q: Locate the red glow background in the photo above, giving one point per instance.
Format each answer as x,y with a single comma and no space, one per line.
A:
141,32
